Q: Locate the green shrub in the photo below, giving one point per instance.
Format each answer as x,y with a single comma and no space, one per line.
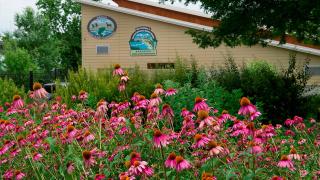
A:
278,92
217,96
8,89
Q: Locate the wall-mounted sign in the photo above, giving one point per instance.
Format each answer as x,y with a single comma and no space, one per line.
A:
102,26
143,42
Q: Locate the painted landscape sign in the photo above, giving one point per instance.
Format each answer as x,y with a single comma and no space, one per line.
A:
143,42
102,27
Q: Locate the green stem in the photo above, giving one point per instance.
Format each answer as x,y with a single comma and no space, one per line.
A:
164,168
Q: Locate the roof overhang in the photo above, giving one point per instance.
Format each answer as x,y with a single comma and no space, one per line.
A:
294,47
146,15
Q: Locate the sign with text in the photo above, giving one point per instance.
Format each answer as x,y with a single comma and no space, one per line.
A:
143,42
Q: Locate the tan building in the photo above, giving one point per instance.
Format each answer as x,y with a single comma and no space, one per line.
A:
151,35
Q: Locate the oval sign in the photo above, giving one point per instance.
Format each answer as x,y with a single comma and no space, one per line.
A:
102,27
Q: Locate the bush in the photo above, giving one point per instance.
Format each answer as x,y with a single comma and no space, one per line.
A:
217,97
280,93
8,89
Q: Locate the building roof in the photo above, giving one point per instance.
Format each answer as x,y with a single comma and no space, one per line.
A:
187,18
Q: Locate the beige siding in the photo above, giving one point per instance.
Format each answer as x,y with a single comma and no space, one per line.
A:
172,41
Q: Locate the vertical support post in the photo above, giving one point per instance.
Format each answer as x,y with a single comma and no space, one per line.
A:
31,80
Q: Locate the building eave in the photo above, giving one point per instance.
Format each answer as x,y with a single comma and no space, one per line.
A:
294,47
146,15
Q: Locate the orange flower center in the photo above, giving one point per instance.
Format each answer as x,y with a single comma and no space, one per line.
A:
244,101
86,155
134,155
172,156
225,112
16,97
37,86
136,163
70,128
153,95
197,137
82,92
165,106
117,66
157,133
159,86
293,151
202,114
250,126
87,133
179,159
198,99
284,158
212,144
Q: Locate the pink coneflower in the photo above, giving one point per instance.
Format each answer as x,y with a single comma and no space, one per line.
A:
126,176
170,92
186,113
102,106
83,95
182,164
87,137
17,102
293,154
71,131
70,167
140,168
200,140
38,91
205,119
99,177
8,174
214,148
73,98
289,122
248,109
277,178
155,100
200,104
37,156
160,139
122,86
135,97
171,161
285,162
125,78
117,70
159,89
207,176
289,133
167,112
88,158
303,173
254,148
134,156
19,175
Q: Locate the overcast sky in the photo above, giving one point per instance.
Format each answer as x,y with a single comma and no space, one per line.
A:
8,9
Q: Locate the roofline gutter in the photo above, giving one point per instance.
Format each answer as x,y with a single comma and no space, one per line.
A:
293,47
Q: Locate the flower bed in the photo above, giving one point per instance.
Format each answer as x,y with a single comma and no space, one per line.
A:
138,139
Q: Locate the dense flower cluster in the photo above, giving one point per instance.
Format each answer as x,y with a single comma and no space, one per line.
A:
139,139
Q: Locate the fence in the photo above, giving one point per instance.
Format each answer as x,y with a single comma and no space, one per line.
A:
27,79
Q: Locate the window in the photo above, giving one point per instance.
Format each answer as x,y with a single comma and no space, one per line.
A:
314,70
160,65
102,49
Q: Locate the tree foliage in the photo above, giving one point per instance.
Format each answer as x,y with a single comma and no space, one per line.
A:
250,22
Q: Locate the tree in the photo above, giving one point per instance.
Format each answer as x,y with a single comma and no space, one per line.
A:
250,22
35,36
17,61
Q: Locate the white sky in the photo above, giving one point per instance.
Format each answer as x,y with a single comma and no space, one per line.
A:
8,9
